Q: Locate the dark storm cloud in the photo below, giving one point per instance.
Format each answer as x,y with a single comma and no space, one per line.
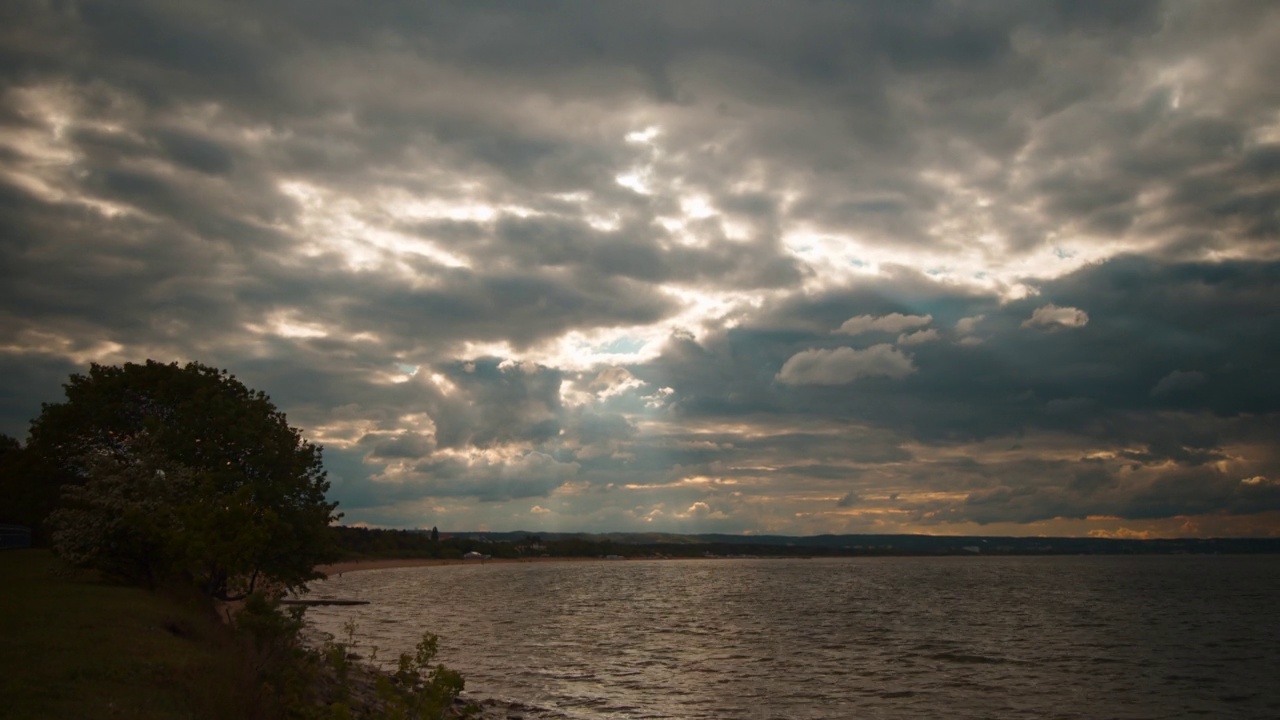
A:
1189,315
530,476
1183,492
29,381
500,405
876,235
848,500
639,254
521,308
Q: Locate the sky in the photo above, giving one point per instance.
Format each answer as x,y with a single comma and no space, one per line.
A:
728,266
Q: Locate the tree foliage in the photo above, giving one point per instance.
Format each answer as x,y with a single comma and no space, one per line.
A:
25,497
183,471
125,519
18,505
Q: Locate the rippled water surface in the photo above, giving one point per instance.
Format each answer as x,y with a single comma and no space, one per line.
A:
1059,637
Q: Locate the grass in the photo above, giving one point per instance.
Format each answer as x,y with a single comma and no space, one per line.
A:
73,646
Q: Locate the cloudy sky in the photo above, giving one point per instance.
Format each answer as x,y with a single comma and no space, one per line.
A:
788,267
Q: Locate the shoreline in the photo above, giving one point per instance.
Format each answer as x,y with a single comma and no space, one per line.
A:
364,673
347,566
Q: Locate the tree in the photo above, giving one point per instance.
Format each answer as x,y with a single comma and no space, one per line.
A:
24,499
435,534
126,520
172,471
16,507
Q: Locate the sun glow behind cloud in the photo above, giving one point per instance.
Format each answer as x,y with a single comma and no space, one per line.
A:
341,224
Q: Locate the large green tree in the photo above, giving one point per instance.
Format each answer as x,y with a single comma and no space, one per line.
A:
171,470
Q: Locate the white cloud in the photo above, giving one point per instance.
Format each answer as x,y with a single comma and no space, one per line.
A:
920,336
844,365
891,323
613,381
966,325
1052,317
698,509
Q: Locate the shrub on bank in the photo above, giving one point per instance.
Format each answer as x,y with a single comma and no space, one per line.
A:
330,682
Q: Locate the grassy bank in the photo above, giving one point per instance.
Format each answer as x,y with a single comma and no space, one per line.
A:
76,647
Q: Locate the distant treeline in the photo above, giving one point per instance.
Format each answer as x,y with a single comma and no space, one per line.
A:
357,542
367,542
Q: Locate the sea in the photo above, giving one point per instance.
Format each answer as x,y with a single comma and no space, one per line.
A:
951,638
